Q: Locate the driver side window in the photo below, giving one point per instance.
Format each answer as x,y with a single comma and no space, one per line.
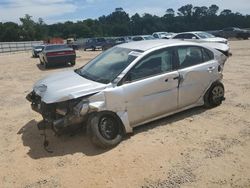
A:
154,64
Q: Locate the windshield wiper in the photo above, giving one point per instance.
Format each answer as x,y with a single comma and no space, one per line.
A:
102,80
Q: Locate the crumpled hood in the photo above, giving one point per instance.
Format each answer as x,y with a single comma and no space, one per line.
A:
64,86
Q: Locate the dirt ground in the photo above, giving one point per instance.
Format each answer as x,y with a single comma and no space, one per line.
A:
196,148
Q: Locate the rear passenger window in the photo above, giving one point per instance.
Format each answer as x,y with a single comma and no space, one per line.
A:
207,55
189,56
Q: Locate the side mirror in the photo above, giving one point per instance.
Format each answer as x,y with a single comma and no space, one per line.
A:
128,78
124,80
194,38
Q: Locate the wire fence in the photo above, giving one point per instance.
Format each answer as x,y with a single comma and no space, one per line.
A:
9,47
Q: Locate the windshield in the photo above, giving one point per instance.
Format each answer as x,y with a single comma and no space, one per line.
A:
56,47
205,35
108,65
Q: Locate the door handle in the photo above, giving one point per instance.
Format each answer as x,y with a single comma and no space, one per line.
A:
166,80
176,78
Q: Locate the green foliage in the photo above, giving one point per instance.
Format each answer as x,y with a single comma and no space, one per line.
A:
118,23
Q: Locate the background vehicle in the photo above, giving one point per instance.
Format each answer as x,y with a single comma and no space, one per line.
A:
206,38
156,78
233,32
72,43
95,43
142,37
36,50
115,41
199,36
162,35
57,54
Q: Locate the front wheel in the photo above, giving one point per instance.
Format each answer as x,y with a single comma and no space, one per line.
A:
215,95
104,129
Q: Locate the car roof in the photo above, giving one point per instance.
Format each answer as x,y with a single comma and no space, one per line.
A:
150,44
160,32
192,32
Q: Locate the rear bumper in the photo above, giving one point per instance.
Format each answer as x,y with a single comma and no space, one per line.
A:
61,59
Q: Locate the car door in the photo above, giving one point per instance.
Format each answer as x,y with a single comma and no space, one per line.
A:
197,69
150,87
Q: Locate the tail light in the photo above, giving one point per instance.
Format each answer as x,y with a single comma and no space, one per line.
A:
71,52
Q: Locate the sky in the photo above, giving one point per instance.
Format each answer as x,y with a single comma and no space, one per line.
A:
53,11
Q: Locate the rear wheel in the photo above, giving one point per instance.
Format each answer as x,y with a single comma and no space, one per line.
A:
104,129
215,95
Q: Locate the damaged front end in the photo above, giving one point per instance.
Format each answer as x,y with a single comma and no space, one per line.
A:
57,116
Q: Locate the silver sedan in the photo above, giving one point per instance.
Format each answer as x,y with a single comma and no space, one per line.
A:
129,85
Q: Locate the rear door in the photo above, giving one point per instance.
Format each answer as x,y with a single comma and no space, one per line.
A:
151,87
197,69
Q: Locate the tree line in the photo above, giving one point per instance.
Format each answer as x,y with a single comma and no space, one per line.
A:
119,23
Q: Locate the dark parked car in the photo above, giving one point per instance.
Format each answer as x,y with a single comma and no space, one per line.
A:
113,42
95,43
233,32
36,50
121,40
57,54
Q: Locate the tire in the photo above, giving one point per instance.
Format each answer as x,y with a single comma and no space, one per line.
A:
104,129
215,95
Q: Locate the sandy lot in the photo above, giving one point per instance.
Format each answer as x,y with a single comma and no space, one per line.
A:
195,148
